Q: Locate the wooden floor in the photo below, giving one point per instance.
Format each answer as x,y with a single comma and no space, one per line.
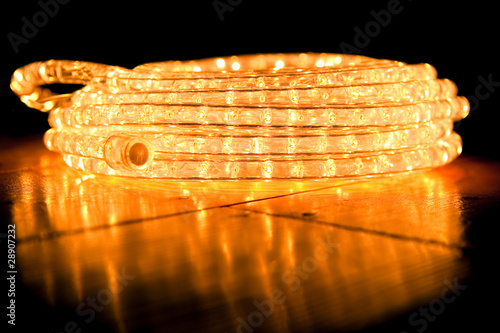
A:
98,253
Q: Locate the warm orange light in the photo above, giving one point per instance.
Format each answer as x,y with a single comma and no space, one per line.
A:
275,116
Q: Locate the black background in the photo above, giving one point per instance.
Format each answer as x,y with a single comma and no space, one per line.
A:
460,39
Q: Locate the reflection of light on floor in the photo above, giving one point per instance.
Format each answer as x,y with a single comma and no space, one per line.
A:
269,228
77,279
227,253
220,251
48,279
115,287
289,243
201,221
26,214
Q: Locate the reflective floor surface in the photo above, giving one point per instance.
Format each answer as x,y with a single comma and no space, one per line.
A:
97,253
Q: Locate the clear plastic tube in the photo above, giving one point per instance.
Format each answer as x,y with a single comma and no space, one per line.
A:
276,116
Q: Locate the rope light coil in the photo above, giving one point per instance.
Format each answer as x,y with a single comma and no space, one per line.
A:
273,116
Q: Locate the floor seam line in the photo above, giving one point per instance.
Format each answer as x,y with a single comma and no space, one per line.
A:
362,230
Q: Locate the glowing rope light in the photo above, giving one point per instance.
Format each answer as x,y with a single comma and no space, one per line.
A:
275,116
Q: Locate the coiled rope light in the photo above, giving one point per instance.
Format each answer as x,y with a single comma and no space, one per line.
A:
274,116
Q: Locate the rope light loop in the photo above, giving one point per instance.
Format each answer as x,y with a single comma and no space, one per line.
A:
267,116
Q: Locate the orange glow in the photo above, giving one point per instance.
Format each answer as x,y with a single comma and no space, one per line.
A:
273,116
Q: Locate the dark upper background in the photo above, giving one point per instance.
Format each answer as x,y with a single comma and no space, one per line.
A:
459,39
